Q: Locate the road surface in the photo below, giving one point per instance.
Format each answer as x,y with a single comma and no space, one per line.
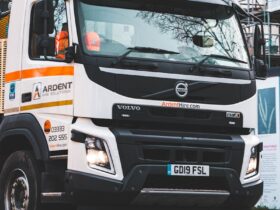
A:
143,208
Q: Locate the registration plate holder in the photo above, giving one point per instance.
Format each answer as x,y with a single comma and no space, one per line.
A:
188,170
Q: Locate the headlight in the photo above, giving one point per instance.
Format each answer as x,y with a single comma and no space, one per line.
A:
98,156
253,163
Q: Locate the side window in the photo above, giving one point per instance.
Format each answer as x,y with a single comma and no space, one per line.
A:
58,34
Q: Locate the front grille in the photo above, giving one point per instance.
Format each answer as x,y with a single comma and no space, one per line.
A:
190,183
156,154
185,154
192,135
146,147
214,157
174,119
188,156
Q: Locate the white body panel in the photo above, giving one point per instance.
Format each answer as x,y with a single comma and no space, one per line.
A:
14,50
60,131
77,152
104,110
55,101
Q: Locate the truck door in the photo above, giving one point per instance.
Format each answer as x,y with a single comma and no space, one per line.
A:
46,79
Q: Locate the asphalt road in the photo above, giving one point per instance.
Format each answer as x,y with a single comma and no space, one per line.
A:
114,208
124,208
143,208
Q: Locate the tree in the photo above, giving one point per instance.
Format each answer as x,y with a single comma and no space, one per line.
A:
184,28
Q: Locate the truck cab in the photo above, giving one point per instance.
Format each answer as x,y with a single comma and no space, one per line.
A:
139,102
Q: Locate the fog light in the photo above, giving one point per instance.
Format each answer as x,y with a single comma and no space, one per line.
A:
253,163
97,153
95,157
253,166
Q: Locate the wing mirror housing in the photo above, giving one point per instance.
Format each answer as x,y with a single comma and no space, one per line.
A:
45,42
261,69
203,41
43,17
259,43
43,25
259,57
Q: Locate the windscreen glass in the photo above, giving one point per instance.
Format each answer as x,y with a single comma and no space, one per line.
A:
108,30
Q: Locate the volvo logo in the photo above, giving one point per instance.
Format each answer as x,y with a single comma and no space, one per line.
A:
129,108
182,89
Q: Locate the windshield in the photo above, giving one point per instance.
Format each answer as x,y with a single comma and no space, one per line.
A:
111,31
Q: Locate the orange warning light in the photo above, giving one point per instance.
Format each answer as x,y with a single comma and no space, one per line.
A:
47,127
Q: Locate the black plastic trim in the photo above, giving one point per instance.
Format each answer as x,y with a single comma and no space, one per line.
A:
100,184
78,136
28,126
132,145
167,126
80,185
182,116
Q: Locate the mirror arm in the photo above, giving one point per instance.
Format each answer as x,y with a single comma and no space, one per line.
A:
71,53
240,11
243,13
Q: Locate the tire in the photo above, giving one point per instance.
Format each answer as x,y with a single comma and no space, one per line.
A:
20,182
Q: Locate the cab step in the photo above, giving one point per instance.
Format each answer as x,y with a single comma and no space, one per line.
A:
55,197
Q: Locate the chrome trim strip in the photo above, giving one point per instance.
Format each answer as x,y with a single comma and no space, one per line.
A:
174,76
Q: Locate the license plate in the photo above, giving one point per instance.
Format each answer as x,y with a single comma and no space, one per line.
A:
188,170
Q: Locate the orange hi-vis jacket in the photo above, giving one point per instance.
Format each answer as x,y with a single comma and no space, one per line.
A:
61,43
92,41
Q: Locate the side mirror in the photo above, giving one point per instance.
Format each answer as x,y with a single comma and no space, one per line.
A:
261,69
48,43
258,43
40,15
203,41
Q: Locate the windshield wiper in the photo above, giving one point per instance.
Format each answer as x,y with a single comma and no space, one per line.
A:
198,65
142,50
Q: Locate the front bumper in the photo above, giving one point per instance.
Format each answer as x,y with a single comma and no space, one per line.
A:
144,156
138,190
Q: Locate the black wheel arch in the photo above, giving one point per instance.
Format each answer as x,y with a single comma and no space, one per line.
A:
27,127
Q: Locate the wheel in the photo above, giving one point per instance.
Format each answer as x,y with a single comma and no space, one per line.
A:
20,182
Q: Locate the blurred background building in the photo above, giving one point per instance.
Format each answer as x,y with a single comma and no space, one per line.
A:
268,93
269,12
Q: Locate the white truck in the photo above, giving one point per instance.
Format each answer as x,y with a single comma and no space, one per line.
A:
129,102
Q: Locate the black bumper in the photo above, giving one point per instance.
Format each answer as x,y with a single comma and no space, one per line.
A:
145,155
89,189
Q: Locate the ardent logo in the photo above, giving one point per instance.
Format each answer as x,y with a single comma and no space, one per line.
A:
182,89
37,91
129,108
